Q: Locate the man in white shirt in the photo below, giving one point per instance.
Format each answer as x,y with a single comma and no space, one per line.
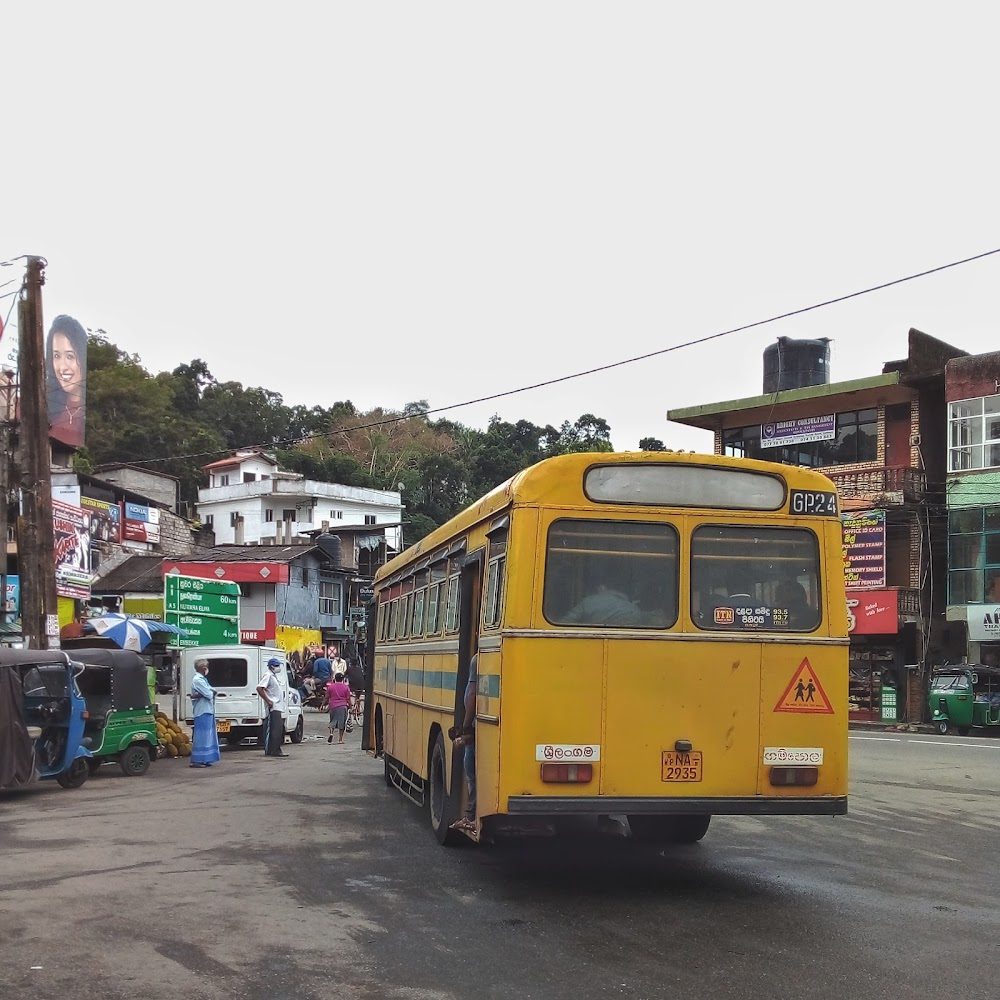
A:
272,691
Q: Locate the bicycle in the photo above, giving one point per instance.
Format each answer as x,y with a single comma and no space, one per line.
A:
356,711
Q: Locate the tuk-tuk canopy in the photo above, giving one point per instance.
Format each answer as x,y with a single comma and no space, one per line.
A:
112,678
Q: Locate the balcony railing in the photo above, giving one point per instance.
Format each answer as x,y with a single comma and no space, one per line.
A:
880,486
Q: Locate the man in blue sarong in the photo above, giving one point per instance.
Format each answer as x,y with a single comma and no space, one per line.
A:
205,749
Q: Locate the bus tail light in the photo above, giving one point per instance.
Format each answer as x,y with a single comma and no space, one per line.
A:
794,775
567,773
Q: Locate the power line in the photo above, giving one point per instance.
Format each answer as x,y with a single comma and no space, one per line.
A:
603,368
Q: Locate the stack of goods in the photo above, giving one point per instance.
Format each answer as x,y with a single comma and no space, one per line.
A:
172,738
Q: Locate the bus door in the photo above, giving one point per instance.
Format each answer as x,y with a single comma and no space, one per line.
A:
470,587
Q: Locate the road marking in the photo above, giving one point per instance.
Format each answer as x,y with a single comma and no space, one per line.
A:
943,743
930,743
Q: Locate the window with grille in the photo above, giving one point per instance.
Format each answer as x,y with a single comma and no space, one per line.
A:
329,597
974,555
974,434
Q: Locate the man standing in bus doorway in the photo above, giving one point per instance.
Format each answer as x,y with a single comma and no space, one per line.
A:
273,693
465,736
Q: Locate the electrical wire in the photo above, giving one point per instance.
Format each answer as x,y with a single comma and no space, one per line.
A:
600,368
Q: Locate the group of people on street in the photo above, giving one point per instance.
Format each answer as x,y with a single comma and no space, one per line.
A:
205,741
341,685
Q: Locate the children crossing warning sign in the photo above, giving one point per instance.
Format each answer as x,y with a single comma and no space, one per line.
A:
804,694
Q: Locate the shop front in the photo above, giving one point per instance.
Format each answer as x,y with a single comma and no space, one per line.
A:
876,657
983,624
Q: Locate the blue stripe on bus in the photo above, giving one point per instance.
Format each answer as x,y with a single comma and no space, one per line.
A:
442,680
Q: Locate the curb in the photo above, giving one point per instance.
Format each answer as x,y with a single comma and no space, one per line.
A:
891,727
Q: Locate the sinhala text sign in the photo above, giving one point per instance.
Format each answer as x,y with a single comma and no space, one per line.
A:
208,610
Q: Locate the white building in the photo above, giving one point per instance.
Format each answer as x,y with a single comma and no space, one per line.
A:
249,500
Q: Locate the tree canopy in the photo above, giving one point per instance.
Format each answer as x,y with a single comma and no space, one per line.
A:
176,422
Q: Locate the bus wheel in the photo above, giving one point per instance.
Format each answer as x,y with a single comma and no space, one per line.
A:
669,829
438,800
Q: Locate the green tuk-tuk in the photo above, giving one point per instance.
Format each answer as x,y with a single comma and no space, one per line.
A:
122,723
965,695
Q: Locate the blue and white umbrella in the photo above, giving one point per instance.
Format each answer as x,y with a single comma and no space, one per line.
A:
129,632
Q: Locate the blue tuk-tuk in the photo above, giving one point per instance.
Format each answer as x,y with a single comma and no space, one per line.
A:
42,719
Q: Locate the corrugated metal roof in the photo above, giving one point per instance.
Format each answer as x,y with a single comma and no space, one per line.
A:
139,574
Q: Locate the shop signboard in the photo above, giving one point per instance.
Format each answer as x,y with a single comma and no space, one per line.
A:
983,621
142,524
889,704
864,549
208,610
873,613
12,599
800,431
105,520
71,537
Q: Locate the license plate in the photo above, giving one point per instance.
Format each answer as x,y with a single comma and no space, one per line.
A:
222,725
681,766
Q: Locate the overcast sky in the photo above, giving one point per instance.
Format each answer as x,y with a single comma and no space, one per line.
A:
391,202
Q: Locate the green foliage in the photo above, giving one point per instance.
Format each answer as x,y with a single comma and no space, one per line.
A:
189,418
651,444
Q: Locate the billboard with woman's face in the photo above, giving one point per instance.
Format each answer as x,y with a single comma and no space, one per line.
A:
66,380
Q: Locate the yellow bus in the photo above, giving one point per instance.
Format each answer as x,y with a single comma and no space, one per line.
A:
658,636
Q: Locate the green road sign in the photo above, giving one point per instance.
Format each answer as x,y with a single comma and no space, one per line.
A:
208,610
202,631
201,597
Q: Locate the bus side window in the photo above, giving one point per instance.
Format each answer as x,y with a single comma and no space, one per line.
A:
494,592
451,615
418,614
434,609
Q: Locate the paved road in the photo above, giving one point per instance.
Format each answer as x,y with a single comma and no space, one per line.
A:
307,878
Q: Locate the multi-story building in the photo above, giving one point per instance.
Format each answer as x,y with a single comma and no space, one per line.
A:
249,500
881,439
972,391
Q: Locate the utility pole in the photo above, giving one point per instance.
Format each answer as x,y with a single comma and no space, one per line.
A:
7,411
35,542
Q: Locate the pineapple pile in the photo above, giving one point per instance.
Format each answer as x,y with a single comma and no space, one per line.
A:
172,738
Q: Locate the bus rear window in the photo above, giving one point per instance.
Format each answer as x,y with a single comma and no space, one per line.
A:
611,574
754,579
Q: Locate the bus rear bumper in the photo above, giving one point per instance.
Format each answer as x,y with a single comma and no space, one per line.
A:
534,805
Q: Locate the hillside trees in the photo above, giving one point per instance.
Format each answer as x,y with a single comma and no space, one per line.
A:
178,421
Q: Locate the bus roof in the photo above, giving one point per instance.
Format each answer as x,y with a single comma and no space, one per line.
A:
559,481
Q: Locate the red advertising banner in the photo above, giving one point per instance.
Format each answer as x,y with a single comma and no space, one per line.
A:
71,534
874,612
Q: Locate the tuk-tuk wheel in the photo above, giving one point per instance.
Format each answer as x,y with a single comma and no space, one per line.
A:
942,727
134,761
94,765
75,775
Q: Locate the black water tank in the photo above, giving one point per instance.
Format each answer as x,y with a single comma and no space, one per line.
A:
794,364
333,547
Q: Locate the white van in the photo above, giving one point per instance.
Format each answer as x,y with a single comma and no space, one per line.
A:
235,672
